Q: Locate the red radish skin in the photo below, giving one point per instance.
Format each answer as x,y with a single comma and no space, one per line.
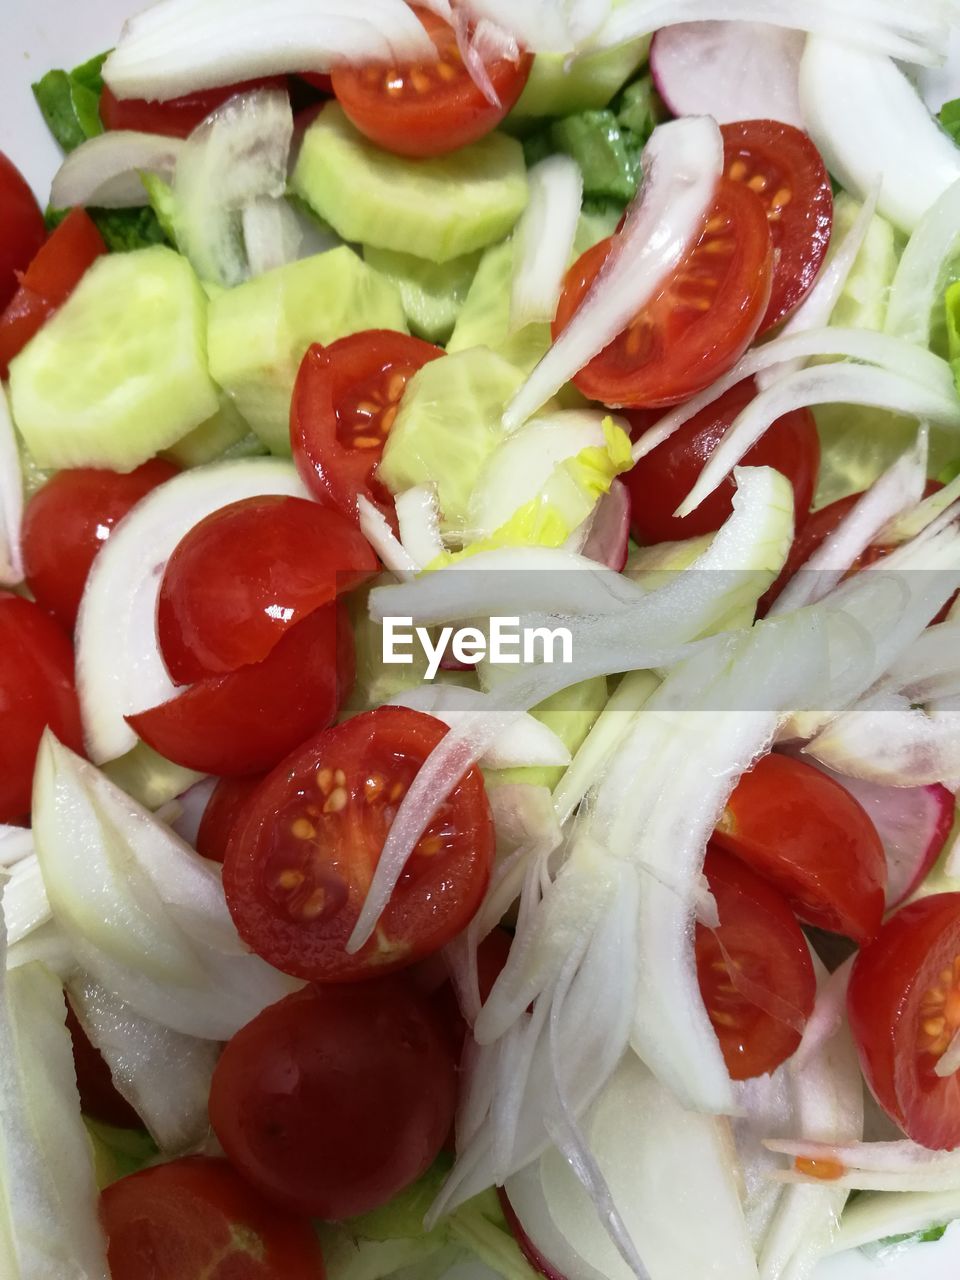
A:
609,538
527,1247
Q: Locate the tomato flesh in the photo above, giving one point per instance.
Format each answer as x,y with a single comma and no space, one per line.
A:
22,230
660,481
333,1100
196,1219
782,166
700,323
428,108
903,1003
177,117
222,813
300,862
755,972
67,522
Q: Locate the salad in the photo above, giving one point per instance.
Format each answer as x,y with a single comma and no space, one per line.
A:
480,564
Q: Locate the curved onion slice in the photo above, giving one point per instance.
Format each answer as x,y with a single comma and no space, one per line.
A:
119,667
105,171
16,843
892,743
376,529
272,234
11,498
921,275
544,240
418,518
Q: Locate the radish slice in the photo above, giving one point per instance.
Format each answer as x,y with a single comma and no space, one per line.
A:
729,70
119,667
105,171
609,538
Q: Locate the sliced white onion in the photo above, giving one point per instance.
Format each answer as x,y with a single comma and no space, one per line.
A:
682,164
729,70
492,42
544,239
418,518
930,669
119,667
105,171
877,1166
893,743
16,843
191,806
539,27
826,1020
11,498
272,234
179,46
473,59
921,274
913,522
377,531
25,904
47,946
878,1215
869,122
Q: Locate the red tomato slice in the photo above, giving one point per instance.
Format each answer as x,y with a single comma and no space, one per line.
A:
698,326
99,1098
22,231
48,281
299,864
177,117
319,80
68,521
786,171
904,1008
247,720
660,481
222,813
808,836
335,1099
428,108
36,690
196,1219
246,574
755,972
344,403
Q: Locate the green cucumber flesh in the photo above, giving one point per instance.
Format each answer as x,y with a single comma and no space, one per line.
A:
554,89
212,439
432,293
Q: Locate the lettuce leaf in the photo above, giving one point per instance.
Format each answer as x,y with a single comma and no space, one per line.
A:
70,102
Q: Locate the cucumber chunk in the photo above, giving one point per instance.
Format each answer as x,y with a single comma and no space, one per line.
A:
439,208
590,82
213,438
260,330
432,293
120,372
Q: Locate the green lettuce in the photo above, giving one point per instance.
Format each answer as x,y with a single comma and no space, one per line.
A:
70,102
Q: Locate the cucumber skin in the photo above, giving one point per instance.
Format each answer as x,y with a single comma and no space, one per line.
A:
589,84
438,209
259,331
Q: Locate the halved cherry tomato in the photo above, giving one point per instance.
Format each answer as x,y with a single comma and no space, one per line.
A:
48,281
246,574
36,690
68,521
318,80
755,972
177,117
222,813
247,720
904,1008
810,838
344,403
698,326
428,108
786,170
660,481
22,231
300,862
333,1100
196,1219
99,1098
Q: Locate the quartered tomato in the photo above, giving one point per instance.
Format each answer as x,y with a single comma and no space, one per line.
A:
333,1100
430,107
904,1008
196,1219
177,117
36,690
242,577
67,522
344,403
786,171
810,838
48,281
698,326
21,227
99,1098
660,481
755,972
246,721
221,814
299,864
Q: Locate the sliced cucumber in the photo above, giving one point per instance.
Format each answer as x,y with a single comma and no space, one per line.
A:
212,438
260,330
571,714
148,777
120,372
439,208
863,303
559,86
432,293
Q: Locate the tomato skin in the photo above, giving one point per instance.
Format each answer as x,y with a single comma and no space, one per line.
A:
67,522
795,187
660,481
222,813
296,872
759,933
228,725
701,322
36,690
889,1004
99,1098
368,368
811,839
333,1100
22,230
48,281
431,112
196,1219
177,117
